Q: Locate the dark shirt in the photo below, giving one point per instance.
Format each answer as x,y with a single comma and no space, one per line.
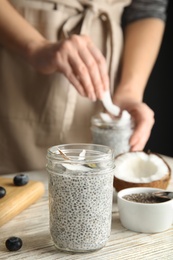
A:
141,9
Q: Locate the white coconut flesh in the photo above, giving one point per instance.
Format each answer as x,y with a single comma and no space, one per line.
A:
114,110
73,166
120,121
140,167
110,107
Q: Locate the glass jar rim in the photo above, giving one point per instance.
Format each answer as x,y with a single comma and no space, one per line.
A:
94,152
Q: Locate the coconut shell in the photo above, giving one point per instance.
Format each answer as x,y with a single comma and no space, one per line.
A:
120,184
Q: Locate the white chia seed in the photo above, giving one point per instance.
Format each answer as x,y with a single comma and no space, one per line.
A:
112,134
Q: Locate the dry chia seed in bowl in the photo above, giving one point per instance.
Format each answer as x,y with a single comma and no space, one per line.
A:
143,198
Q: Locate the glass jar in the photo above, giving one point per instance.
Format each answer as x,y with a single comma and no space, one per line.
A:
115,134
80,196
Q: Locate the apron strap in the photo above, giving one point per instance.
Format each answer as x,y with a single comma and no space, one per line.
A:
87,12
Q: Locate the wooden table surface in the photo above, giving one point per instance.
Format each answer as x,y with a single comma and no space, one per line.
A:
32,225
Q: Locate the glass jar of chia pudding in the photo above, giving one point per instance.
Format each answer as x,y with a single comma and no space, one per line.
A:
80,196
115,133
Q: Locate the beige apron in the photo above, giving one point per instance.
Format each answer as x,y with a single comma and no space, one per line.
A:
38,111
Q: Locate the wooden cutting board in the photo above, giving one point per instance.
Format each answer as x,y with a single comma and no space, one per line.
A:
18,198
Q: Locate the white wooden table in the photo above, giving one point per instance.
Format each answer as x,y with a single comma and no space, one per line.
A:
32,225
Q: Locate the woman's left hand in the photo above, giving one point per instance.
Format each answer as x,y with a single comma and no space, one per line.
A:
143,117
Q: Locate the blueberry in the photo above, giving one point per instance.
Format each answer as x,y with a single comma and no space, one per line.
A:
20,180
2,192
13,243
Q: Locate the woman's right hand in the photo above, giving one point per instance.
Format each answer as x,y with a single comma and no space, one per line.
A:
78,59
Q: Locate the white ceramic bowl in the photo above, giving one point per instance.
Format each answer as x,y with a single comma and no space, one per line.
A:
144,217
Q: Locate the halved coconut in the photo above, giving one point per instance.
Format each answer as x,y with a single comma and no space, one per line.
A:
141,169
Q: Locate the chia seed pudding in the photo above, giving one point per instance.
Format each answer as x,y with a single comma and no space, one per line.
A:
115,134
143,198
80,197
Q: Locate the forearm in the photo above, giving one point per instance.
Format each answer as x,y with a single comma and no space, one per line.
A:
141,46
15,32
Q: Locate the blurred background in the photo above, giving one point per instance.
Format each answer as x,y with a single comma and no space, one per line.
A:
159,93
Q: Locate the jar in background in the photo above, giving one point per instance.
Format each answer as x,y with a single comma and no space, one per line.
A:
80,196
115,134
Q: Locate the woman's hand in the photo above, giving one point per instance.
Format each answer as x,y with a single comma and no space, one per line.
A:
78,59
143,117
144,120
